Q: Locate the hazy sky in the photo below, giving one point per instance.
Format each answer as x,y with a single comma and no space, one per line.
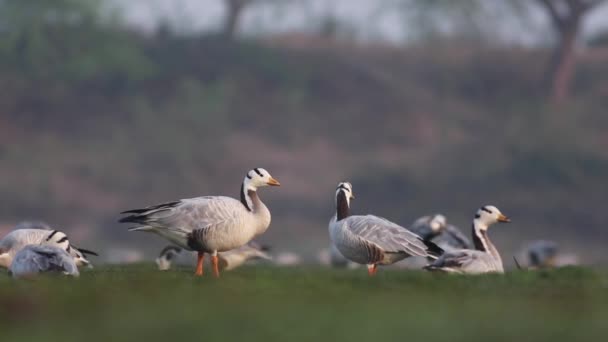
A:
364,15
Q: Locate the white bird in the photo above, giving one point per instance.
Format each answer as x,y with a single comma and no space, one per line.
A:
227,260
435,228
485,258
370,240
35,259
209,224
14,241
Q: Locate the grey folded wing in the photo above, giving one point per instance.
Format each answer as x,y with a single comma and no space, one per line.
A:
34,259
387,235
188,215
467,261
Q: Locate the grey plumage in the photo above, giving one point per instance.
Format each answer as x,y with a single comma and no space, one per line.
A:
543,254
15,240
370,240
209,224
434,228
35,259
485,258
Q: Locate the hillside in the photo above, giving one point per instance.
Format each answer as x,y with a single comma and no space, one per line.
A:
416,130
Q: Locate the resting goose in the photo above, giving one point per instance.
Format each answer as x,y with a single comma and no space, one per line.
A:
209,224
34,259
370,240
435,228
19,238
227,260
485,257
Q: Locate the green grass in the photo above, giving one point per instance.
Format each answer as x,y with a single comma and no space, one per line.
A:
306,304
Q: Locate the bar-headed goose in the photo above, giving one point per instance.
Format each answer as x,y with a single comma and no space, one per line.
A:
370,240
436,229
227,260
209,224
14,241
485,257
34,259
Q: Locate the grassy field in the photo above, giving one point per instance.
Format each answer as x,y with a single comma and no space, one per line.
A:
271,304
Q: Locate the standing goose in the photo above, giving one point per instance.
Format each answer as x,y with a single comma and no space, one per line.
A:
485,257
370,240
14,241
209,224
435,228
34,259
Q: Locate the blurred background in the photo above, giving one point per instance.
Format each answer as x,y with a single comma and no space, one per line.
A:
424,105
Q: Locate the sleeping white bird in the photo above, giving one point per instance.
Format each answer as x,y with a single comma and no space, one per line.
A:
32,260
485,258
370,240
209,224
17,239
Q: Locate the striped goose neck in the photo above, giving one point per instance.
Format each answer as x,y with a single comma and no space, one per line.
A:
342,207
480,237
482,241
246,197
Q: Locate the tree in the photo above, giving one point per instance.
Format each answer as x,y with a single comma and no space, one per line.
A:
479,16
234,11
567,19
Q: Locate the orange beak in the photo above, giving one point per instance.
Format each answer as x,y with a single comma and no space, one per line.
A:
273,182
503,218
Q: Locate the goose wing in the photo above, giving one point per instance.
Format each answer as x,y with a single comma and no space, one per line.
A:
389,236
38,259
463,261
188,215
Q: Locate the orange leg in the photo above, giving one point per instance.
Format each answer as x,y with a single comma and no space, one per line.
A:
371,269
214,262
199,264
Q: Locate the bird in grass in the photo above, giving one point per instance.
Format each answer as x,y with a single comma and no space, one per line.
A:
371,240
32,260
209,224
484,258
17,239
227,260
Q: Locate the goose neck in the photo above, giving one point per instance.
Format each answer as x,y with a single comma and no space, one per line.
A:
342,206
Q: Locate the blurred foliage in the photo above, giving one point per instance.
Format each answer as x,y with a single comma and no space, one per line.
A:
66,40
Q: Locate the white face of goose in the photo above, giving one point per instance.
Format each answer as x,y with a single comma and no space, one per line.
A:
488,215
57,239
347,189
259,177
438,223
60,240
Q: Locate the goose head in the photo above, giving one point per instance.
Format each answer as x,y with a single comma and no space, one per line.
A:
57,239
166,257
488,215
437,223
344,193
257,178
60,240
346,189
